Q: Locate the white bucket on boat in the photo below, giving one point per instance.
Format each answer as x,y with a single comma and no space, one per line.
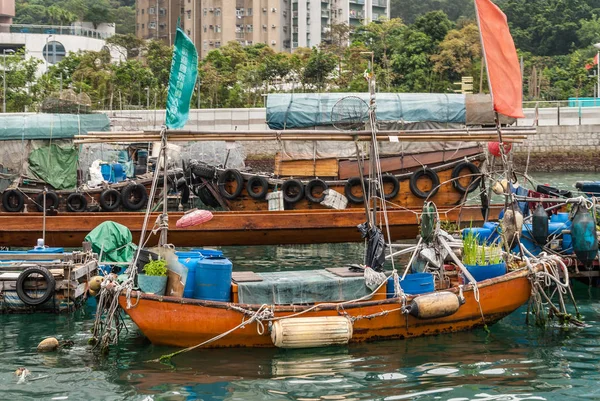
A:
334,200
310,332
275,200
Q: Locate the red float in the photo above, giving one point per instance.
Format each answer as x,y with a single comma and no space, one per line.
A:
194,218
494,148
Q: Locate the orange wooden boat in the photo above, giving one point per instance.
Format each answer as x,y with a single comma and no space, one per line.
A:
185,322
227,228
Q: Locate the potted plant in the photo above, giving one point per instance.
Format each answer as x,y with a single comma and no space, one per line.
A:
482,261
154,279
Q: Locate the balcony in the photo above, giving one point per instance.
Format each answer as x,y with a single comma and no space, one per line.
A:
357,1
379,3
357,14
324,14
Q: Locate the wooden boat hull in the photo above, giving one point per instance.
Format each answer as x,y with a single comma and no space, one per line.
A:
226,228
188,322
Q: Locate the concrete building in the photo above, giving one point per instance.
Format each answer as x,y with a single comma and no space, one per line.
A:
7,11
51,43
311,20
157,19
213,23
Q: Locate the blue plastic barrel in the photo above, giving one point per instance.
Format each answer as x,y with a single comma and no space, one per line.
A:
415,283
208,252
213,279
559,218
482,234
485,272
118,172
106,171
189,260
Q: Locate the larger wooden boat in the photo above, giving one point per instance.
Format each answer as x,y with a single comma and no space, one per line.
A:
228,228
185,322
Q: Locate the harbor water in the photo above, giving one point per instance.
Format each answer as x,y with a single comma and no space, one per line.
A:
513,361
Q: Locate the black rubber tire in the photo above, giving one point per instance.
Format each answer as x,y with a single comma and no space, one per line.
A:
203,170
139,192
76,203
475,179
105,198
257,182
206,196
388,178
52,201
432,175
292,197
7,196
351,183
312,184
227,176
20,287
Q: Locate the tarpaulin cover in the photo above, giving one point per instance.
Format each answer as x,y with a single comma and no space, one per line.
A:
56,165
113,240
301,287
50,126
301,110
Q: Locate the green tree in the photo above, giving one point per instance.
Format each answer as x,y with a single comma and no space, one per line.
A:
98,12
20,77
318,68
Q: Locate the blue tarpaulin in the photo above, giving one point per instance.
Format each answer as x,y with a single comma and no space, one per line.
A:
50,126
302,110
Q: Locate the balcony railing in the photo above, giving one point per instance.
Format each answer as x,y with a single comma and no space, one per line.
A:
380,3
55,30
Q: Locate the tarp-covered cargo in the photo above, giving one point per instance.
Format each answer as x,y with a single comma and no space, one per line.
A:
301,110
113,241
27,126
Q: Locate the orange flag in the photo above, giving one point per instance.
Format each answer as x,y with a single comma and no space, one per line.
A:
504,71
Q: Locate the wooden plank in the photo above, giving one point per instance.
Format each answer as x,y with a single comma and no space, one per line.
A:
81,288
306,168
82,270
9,276
66,285
245,277
349,168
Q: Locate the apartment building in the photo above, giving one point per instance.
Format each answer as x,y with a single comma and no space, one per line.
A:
157,19
213,23
311,20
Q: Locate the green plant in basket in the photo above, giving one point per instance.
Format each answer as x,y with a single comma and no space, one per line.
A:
156,267
470,248
495,251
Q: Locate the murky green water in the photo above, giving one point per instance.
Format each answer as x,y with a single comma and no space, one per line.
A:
513,362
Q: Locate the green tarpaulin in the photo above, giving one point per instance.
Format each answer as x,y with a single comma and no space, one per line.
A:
50,126
113,240
55,165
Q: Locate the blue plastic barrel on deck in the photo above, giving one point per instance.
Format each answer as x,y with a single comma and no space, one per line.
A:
213,279
208,252
415,283
106,171
189,260
118,173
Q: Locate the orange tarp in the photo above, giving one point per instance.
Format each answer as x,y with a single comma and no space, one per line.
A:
504,72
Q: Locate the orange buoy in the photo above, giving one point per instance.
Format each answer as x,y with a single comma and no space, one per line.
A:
194,218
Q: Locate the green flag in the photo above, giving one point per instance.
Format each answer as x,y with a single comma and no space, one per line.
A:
184,70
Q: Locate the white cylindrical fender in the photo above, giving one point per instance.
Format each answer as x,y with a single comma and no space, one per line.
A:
310,332
436,305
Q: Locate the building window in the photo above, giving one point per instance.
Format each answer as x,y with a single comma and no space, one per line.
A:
218,12
152,25
249,11
218,28
205,28
151,11
142,11
163,11
205,11
54,52
137,27
249,28
217,44
205,45
189,14
143,26
189,32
